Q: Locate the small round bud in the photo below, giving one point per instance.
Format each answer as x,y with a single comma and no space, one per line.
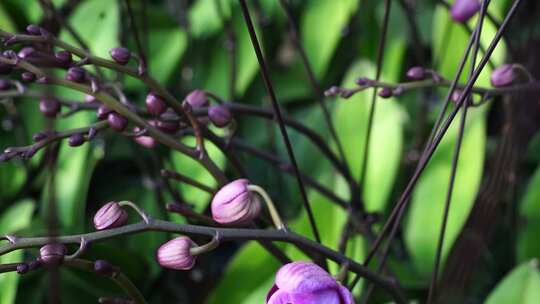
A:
175,254
117,122
89,98
28,76
76,140
111,215
219,115
76,74
52,254
155,105
416,73
463,10
39,136
503,76
120,55
22,268
64,57
103,112
103,267
26,52
363,81
144,140
168,122
4,85
33,29
49,107
197,99
234,204
385,93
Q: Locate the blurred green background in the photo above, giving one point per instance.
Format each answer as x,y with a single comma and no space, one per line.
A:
187,48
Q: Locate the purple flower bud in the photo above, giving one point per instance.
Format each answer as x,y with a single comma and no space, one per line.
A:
385,93
197,99
76,140
416,73
220,115
234,204
33,29
117,122
146,141
103,267
22,268
463,10
39,136
175,254
304,282
155,104
49,107
167,122
76,74
4,85
89,98
64,57
111,215
26,52
28,76
52,254
363,81
120,55
5,68
503,76
103,112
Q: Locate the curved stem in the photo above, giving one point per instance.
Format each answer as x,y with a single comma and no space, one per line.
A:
213,244
270,204
145,217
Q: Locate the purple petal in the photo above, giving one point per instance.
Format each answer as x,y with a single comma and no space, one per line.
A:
280,297
346,296
326,296
304,277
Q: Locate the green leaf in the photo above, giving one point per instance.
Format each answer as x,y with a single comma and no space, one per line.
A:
97,22
529,211
190,167
13,219
255,268
204,19
351,118
521,286
5,22
321,29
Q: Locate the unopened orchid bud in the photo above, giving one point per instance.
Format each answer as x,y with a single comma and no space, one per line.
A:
76,74
89,98
22,268
219,115
111,215
144,140
234,204
103,267
117,122
28,76
168,122
76,140
416,73
197,99
64,57
103,112
503,76
26,52
120,55
463,10
155,105
52,254
39,136
385,93
33,29
176,254
4,85
49,107
363,81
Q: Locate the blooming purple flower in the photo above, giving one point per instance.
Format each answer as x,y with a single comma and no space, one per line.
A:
234,204
175,254
52,254
503,76
111,215
463,10
307,283
197,99
220,115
